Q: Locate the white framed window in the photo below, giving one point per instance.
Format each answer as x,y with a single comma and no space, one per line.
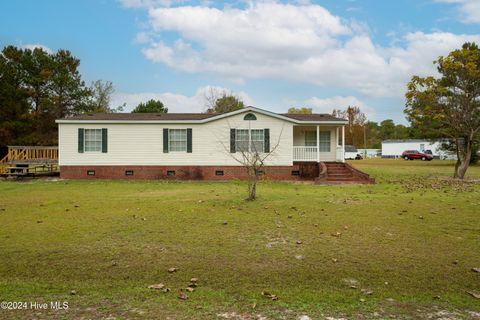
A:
257,140
93,140
250,140
310,138
242,138
324,141
177,140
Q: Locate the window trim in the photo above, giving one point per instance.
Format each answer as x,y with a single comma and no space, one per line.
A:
85,139
170,141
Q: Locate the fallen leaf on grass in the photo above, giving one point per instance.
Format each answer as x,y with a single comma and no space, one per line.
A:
190,289
367,292
157,286
172,270
269,295
182,295
474,294
476,270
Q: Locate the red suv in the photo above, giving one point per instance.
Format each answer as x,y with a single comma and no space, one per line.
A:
415,154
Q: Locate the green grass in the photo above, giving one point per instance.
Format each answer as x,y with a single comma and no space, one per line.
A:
108,240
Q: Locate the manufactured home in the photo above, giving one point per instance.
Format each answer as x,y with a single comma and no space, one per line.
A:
203,146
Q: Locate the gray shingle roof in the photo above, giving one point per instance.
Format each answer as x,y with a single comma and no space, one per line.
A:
143,116
187,116
312,117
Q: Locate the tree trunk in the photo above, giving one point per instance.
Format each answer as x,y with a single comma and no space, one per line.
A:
463,159
253,192
249,182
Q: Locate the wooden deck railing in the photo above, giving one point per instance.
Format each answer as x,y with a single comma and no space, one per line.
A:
29,154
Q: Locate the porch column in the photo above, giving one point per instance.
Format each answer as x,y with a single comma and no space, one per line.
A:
343,143
318,143
336,138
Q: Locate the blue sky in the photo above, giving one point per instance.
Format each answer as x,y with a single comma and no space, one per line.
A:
274,54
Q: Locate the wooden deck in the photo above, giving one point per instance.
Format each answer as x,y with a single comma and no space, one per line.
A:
30,161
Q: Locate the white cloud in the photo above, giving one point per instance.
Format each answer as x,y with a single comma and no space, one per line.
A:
469,9
173,101
327,105
301,43
151,3
39,46
142,37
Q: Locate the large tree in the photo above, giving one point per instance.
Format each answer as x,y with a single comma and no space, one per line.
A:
37,87
449,106
218,100
150,106
100,98
227,103
355,131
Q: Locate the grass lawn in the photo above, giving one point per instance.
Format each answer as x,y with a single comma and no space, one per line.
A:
403,248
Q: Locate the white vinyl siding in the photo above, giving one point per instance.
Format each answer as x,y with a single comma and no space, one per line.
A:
93,140
177,140
142,143
325,141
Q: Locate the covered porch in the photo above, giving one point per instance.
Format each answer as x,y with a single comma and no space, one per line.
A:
319,143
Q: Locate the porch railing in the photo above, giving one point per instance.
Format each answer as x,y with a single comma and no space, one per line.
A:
301,153
29,155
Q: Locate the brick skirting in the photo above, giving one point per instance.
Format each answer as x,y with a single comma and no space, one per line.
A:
294,172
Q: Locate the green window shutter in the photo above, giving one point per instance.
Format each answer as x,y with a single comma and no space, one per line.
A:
232,141
81,139
104,140
165,140
266,138
189,140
